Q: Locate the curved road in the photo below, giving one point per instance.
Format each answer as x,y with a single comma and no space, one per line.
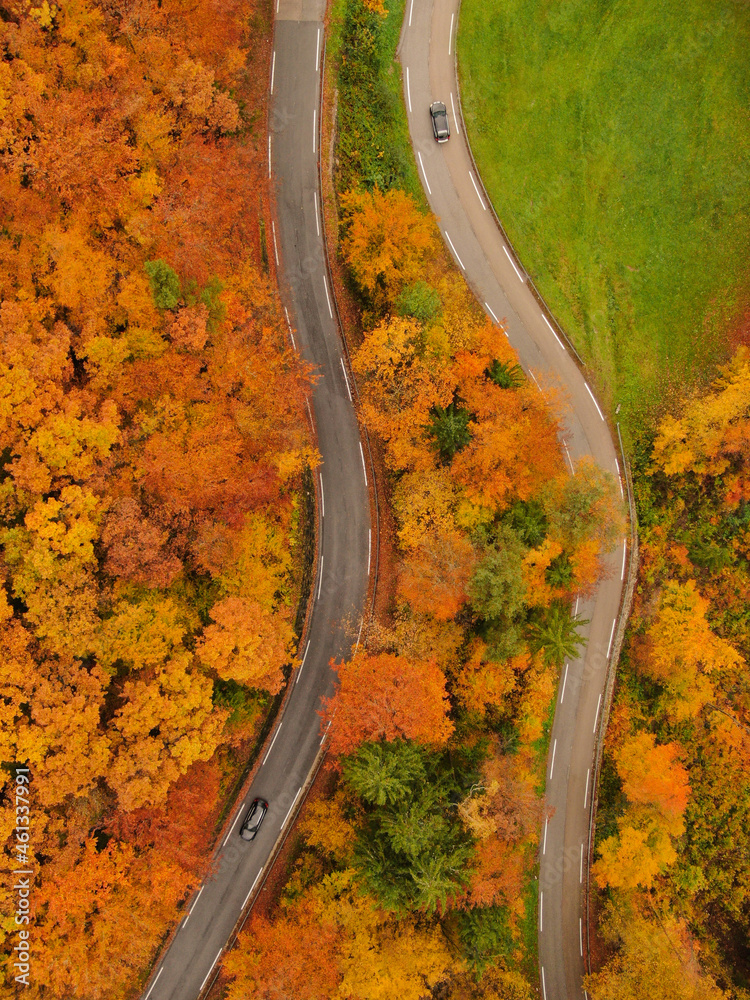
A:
456,196
189,965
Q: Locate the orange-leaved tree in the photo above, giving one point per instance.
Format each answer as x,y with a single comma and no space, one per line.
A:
382,696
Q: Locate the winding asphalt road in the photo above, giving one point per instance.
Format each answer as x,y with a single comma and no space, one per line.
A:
188,967
190,964
458,199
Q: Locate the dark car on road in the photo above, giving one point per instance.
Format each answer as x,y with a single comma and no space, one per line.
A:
440,127
254,818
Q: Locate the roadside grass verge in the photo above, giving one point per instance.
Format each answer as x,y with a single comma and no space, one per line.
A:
373,144
614,140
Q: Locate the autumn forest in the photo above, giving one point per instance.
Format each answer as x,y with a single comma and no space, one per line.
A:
155,524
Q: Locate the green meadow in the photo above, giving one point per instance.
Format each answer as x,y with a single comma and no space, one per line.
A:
614,139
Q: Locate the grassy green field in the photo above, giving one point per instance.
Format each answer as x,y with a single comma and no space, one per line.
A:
614,139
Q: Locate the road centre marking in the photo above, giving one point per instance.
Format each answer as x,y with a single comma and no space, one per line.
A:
544,847
450,35
624,556
317,218
273,68
364,467
586,793
411,11
541,912
489,310
315,128
408,89
552,765
317,52
320,577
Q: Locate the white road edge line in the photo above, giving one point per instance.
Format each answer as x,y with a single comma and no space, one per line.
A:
580,934
535,381
218,956
322,496
359,636
269,156
450,35
229,834
513,263
565,679
580,871
461,263
419,157
552,765
325,733
275,246
586,794
317,219
309,412
619,479
541,912
294,345
544,988
273,69
489,310
624,557
611,636
369,549
544,846
272,743
302,665
554,333
598,706
594,399
328,297
251,888
408,88
291,807
570,460
346,379
364,467
315,130
154,982
320,578
481,199
575,612
455,117
317,52
411,11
